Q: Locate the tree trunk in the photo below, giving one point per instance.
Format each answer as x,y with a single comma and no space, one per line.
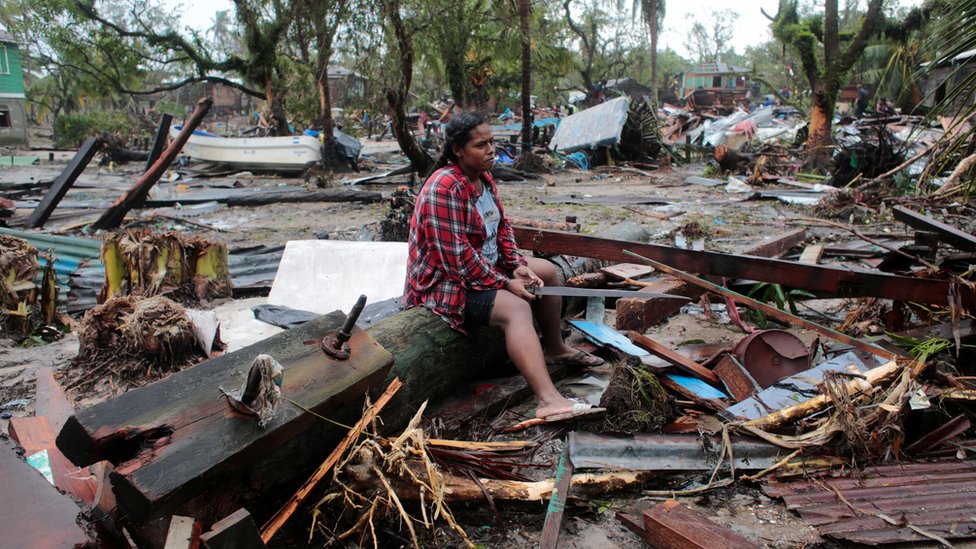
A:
652,22
397,99
525,12
820,140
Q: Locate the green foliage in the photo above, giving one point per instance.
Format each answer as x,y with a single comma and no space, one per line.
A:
70,130
919,349
776,296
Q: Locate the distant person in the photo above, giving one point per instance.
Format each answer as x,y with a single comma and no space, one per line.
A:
861,104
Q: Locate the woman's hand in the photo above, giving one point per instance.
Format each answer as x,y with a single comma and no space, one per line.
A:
528,277
524,279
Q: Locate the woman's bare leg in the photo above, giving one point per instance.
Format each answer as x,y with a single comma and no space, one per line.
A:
548,311
513,315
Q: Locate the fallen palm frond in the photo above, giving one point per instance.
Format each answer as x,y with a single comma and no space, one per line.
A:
185,268
133,340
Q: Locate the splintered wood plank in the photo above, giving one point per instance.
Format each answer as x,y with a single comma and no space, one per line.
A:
184,533
175,438
811,254
235,531
34,434
36,514
818,279
671,525
64,181
621,271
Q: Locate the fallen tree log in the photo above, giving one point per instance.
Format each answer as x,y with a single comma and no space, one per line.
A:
331,195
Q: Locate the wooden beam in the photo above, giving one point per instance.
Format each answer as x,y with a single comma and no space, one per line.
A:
159,140
137,194
818,279
329,195
770,310
950,235
671,525
177,438
64,181
639,314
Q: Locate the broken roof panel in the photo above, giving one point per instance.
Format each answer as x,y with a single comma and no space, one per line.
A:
598,126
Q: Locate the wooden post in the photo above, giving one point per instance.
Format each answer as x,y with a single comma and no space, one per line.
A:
113,216
557,502
64,181
159,141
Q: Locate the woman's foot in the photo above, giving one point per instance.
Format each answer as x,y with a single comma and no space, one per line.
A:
566,409
573,357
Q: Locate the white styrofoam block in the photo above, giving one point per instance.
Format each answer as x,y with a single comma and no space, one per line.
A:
324,275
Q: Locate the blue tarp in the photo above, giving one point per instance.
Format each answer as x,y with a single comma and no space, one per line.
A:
517,126
599,126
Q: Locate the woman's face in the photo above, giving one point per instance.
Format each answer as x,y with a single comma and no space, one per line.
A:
478,154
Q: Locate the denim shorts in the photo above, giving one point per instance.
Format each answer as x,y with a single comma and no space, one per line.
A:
478,306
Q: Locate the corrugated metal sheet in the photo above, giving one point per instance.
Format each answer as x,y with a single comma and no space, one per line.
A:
70,255
935,498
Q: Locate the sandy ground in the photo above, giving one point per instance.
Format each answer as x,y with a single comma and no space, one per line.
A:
731,220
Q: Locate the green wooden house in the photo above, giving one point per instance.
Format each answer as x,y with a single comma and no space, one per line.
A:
13,103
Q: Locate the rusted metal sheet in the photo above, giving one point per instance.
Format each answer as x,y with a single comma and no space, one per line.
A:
888,504
819,279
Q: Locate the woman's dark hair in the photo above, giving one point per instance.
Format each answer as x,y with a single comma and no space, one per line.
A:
457,134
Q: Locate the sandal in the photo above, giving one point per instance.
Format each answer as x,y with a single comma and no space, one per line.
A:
581,358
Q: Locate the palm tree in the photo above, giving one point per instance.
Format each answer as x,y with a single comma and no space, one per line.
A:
653,13
525,14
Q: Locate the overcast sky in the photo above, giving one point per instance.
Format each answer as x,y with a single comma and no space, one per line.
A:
751,27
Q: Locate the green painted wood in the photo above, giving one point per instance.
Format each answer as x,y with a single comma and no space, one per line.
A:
11,70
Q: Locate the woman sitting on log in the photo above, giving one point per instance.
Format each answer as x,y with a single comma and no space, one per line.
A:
465,266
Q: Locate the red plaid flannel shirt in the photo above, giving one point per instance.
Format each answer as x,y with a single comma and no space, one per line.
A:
446,235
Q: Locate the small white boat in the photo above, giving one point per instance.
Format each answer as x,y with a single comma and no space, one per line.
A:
289,153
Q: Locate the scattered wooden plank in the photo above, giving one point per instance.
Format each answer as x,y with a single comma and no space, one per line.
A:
671,525
235,531
811,254
278,520
64,181
736,379
549,539
329,195
34,434
137,194
639,314
818,279
540,224
36,515
622,271
674,358
950,235
184,533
